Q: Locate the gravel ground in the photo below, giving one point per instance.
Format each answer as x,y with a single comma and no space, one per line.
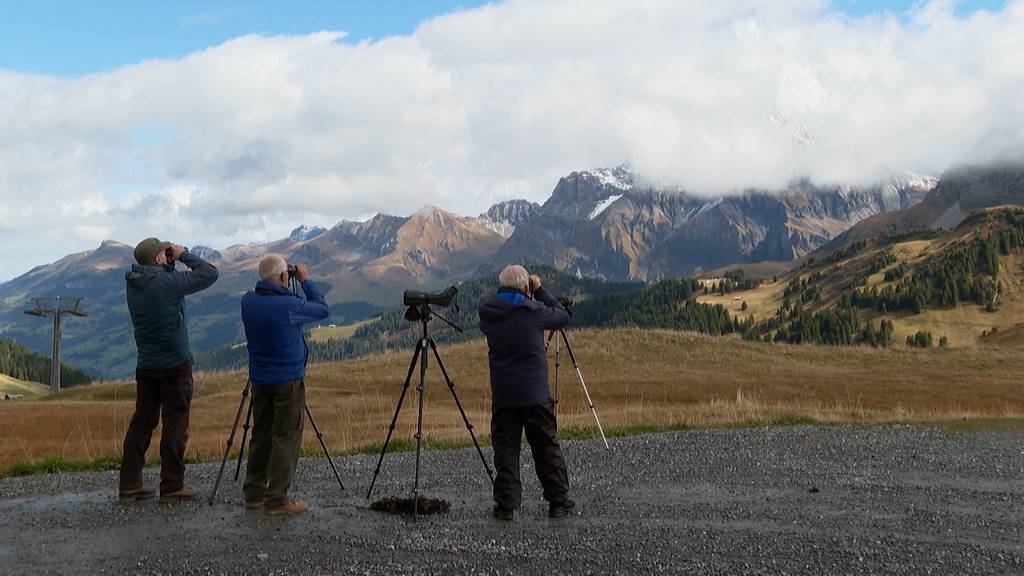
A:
796,500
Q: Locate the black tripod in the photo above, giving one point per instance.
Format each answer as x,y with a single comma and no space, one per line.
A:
424,314
575,364
245,433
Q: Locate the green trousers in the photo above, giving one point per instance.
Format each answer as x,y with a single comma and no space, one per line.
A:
278,415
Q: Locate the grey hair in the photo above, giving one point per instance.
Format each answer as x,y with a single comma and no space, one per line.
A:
272,266
514,276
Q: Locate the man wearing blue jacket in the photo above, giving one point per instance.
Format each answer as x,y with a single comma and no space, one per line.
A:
163,376
514,321
273,317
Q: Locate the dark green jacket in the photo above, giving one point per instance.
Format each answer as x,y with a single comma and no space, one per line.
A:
156,301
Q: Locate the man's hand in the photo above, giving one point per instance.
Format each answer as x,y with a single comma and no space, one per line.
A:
176,251
534,283
301,272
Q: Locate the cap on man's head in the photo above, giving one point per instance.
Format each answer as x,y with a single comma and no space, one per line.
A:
147,250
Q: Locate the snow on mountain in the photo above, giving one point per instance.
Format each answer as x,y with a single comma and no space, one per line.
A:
620,177
603,205
705,207
304,233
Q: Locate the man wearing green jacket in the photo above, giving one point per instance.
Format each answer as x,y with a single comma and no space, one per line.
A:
163,375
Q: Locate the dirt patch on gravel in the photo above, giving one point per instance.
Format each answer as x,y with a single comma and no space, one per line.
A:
404,506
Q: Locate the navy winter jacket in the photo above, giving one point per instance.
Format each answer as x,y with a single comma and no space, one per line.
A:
156,301
273,317
514,325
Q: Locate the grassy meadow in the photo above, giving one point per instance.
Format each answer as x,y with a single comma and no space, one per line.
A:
965,326
27,389
639,379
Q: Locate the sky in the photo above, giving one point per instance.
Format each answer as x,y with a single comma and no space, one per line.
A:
222,122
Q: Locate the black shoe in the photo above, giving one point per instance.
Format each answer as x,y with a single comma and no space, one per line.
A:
561,509
506,514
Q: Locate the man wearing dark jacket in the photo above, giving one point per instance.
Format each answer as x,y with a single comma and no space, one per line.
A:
514,321
163,374
273,317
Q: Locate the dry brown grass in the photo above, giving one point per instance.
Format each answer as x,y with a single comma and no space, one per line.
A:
637,379
763,302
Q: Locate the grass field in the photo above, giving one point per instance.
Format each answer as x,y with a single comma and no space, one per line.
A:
639,380
27,389
336,332
762,302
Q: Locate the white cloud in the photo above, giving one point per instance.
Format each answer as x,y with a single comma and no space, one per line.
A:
244,140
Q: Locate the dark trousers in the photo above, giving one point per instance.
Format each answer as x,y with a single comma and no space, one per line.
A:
507,425
278,411
164,394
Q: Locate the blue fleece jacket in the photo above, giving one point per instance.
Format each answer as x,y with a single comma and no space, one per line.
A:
273,317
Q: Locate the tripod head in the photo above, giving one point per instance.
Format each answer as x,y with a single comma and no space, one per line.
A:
423,313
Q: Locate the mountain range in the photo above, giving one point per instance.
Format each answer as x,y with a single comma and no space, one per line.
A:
961,192
605,223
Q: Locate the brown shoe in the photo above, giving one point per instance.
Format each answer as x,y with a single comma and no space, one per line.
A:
288,508
133,494
179,496
254,504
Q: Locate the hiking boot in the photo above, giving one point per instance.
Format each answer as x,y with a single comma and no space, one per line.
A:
290,507
255,504
561,509
504,514
134,494
179,495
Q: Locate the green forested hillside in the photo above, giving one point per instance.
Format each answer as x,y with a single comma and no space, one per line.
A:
667,304
902,288
21,363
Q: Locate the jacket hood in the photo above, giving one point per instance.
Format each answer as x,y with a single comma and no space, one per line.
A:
503,303
140,275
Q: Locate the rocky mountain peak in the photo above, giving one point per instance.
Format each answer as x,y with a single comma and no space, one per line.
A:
206,253
579,194
621,177
430,211
304,233
512,212
112,245
504,217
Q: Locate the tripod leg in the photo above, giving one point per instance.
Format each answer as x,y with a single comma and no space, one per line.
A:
323,445
394,419
558,363
419,429
245,433
231,438
586,393
469,427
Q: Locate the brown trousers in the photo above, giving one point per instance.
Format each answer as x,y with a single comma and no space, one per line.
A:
278,414
507,425
164,394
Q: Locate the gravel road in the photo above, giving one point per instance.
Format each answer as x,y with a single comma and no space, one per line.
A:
792,500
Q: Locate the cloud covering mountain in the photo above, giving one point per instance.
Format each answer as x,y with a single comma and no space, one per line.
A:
243,140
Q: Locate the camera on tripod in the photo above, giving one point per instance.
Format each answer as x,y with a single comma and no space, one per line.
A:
419,311
566,303
416,301
442,298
